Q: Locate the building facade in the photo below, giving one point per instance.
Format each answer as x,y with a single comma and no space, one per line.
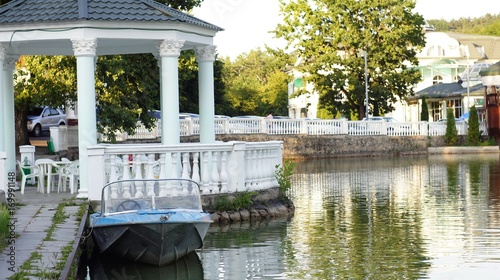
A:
451,59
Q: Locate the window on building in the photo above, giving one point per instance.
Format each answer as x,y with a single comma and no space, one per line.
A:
435,110
456,105
435,51
437,79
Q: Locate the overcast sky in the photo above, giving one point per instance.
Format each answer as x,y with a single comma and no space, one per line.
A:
246,22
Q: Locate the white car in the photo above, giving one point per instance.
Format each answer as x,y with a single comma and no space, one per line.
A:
41,119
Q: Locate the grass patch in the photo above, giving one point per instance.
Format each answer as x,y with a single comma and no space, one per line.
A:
242,200
4,225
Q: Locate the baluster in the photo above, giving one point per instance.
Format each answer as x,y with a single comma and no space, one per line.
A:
196,168
185,172
248,170
205,177
223,172
215,173
174,167
253,169
139,185
112,176
126,176
262,163
185,165
164,185
269,167
259,167
150,175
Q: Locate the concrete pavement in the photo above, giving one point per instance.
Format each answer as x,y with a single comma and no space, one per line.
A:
36,242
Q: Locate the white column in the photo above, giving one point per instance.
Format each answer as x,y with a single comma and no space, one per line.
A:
9,118
206,56
170,51
85,52
3,133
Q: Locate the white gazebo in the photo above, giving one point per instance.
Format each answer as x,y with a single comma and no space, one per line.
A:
89,28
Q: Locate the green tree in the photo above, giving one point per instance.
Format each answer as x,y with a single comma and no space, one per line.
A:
42,80
473,133
256,83
485,25
331,36
424,114
451,135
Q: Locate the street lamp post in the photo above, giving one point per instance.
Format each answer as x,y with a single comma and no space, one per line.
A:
366,81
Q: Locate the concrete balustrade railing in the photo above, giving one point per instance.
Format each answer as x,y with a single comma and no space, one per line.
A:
65,137
219,168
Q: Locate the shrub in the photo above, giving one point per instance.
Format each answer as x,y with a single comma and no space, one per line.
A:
243,200
283,175
451,136
424,114
223,203
473,133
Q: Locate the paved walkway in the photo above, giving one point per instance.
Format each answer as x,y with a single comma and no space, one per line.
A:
37,252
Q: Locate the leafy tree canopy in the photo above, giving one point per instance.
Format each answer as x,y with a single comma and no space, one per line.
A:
486,25
256,83
330,37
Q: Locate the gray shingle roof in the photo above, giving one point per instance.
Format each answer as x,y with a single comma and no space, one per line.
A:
444,90
52,11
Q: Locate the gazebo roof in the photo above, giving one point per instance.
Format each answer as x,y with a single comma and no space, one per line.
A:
37,11
46,27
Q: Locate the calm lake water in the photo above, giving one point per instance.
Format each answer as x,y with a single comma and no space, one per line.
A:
422,217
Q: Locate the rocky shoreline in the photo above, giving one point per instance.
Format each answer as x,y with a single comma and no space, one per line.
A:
273,209
266,204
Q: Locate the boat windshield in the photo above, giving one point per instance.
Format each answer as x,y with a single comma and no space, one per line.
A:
150,194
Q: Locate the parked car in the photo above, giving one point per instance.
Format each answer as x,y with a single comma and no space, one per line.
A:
393,126
41,119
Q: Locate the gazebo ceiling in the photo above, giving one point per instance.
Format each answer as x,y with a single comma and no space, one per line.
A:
41,27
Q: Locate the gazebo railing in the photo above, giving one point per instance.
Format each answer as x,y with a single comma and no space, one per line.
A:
219,168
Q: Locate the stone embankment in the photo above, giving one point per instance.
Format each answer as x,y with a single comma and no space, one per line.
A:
265,205
334,146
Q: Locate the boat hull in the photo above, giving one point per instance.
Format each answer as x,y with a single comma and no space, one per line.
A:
159,243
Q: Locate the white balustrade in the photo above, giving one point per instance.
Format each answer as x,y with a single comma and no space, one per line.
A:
277,127
205,163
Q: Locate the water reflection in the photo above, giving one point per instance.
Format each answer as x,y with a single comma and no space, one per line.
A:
412,217
418,217
112,268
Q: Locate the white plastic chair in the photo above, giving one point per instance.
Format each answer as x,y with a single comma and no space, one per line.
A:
34,172
46,167
69,174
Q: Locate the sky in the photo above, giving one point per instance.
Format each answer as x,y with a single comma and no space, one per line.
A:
247,23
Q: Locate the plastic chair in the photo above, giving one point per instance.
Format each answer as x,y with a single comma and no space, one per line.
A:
69,174
34,172
47,170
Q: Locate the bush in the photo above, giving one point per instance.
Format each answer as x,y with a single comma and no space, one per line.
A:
451,136
473,133
424,114
283,175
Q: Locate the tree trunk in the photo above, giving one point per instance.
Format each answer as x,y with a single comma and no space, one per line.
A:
22,137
